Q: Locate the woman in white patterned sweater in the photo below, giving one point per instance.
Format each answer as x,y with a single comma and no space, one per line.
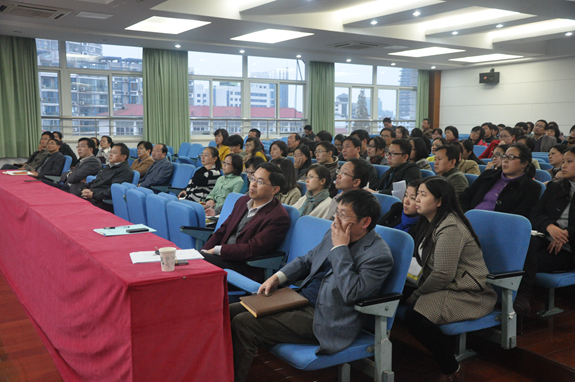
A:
205,177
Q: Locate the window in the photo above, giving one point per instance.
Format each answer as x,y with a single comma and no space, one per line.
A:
386,101
341,103
214,64
263,100
361,107
103,57
128,93
353,74
226,106
276,68
389,75
49,94
47,51
199,99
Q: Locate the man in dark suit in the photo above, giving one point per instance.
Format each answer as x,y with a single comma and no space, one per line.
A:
401,168
53,163
74,181
36,158
256,226
351,263
117,172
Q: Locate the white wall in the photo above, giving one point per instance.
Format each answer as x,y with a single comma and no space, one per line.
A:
526,92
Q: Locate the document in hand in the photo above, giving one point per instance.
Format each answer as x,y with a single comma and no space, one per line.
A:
283,299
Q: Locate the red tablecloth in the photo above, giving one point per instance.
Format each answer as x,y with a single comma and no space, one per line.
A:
101,317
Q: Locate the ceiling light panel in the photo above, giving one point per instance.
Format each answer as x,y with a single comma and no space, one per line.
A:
380,8
168,25
470,19
426,52
533,30
485,58
271,36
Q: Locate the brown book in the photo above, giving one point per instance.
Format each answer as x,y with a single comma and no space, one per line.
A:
282,299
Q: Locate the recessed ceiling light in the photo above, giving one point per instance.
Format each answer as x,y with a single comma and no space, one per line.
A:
485,58
425,52
499,26
416,13
455,33
94,15
374,22
569,34
298,56
271,36
242,51
348,60
168,25
532,30
433,67
467,18
393,64
178,46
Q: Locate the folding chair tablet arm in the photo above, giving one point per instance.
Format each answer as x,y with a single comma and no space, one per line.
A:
175,190
197,233
53,178
506,280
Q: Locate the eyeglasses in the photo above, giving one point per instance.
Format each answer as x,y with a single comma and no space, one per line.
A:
509,157
343,216
319,152
250,174
205,156
228,163
389,153
371,146
498,155
259,182
82,147
310,177
339,172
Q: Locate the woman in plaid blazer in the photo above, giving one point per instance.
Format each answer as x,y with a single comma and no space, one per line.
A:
452,285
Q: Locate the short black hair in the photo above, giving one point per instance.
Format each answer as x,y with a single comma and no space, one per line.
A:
453,130
356,142
57,133
361,134
108,138
307,128
287,168
480,131
97,140
386,119
420,148
363,204
378,142
297,136
494,127
360,171
89,142
404,145
277,178
282,146
339,137
529,142
225,135
324,136
544,121
328,146
237,163
450,152
428,121
523,126
254,161
48,133
438,130
124,150
257,131
147,145
388,129
164,148
236,140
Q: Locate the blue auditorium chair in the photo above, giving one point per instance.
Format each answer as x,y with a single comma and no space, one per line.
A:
385,201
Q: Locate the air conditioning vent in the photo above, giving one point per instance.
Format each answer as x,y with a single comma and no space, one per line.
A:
356,45
32,10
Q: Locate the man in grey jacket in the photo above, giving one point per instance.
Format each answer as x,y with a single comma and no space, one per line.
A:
543,142
160,171
351,263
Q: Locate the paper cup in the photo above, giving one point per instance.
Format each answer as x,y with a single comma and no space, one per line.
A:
168,258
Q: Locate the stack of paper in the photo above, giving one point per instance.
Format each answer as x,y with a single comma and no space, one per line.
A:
152,257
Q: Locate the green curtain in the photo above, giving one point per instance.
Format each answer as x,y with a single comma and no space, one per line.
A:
422,108
322,93
20,122
166,107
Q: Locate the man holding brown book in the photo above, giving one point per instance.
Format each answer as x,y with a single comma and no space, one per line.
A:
351,263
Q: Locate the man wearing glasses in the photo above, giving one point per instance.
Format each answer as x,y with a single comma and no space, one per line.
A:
324,156
353,175
350,263
75,180
401,168
257,225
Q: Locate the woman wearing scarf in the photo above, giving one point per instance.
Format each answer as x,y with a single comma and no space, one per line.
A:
403,216
316,200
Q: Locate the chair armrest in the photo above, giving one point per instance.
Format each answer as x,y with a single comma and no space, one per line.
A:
175,190
507,280
199,233
271,261
158,189
53,178
382,305
242,282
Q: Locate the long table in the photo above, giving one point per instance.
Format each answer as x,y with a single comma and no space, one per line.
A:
101,317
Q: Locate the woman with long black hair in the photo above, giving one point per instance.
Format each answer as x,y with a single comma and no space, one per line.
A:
452,286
